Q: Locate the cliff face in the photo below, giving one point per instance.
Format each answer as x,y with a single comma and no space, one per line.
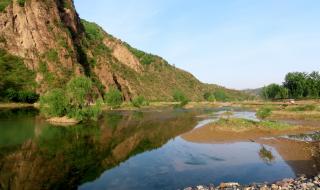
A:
55,43
40,33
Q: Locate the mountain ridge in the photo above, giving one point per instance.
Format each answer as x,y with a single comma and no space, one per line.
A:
57,44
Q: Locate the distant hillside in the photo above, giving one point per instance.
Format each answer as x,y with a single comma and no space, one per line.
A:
253,92
55,44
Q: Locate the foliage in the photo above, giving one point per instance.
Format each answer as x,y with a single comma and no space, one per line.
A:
4,4
94,39
93,31
274,91
304,108
74,101
86,112
179,96
52,55
113,98
139,101
297,85
54,103
21,2
220,95
79,91
21,96
209,96
275,125
144,58
264,112
17,82
66,4
303,85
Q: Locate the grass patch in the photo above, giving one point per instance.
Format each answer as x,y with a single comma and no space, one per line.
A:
144,58
52,55
301,115
245,124
4,4
264,112
21,2
308,107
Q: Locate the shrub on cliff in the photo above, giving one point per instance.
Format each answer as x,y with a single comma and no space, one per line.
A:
113,98
4,4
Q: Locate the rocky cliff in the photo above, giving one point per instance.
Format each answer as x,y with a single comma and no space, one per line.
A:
56,44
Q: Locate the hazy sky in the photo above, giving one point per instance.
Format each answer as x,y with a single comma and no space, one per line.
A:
234,43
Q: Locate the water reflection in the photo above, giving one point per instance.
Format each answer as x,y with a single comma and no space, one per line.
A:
138,150
74,155
266,155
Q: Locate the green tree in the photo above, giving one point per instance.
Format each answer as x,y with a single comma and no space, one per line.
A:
54,103
296,84
17,82
139,101
274,91
113,98
79,91
209,96
220,95
313,85
75,101
179,96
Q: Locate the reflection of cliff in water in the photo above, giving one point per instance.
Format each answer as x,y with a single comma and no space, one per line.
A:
56,158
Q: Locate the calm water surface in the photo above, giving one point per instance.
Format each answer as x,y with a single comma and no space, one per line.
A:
135,150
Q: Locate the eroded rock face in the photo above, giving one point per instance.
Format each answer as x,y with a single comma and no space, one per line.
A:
31,31
50,32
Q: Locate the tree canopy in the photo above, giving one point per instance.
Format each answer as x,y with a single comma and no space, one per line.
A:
296,85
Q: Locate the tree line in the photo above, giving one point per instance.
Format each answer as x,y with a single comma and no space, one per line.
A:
296,85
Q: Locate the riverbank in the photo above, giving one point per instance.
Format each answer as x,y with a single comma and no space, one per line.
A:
252,105
15,105
301,183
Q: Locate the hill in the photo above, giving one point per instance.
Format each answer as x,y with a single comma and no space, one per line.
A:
55,44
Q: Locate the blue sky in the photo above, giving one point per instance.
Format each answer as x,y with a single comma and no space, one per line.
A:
235,43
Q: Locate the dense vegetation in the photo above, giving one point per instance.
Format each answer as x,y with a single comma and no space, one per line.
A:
139,101
209,96
297,85
4,4
73,101
113,98
17,82
180,97
21,2
144,58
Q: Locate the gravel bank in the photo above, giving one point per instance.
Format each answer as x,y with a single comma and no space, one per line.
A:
301,183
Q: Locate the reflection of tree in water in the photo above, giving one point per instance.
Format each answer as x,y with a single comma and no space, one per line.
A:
266,155
75,155
113,119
